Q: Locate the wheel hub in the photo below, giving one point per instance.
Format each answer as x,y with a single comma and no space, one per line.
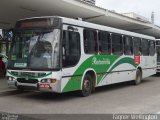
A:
86,85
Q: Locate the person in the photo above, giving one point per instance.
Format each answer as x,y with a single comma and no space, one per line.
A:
2,67
46,54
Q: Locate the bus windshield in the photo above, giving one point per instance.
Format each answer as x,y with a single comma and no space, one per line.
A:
35,49
158,54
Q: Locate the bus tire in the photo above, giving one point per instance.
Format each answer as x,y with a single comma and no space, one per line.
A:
86,86
138,78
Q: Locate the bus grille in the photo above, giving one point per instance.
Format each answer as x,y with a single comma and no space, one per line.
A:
23,80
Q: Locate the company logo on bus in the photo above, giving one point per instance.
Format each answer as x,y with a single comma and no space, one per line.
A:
100,62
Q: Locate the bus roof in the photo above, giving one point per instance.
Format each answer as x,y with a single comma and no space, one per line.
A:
81,23
103,28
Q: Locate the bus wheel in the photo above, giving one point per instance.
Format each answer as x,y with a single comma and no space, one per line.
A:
86,86
138,78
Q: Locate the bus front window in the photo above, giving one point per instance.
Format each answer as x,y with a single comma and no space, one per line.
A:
35,49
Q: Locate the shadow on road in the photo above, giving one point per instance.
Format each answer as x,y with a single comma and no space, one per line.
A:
119,86
38,96
156,75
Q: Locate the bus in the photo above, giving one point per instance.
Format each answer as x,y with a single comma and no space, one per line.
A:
158,55
58,54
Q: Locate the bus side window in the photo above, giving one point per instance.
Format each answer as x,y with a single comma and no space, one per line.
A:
152,50
145,47
64,40
104,42
117,46
90,41
137,46
128,45
71,48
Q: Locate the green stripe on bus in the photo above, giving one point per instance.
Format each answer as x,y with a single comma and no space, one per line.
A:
90,63
75,82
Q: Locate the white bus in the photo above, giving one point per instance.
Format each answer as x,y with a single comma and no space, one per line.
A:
158,55
58,54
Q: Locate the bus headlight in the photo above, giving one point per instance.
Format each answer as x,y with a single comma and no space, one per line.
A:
43,81
11,78
49,81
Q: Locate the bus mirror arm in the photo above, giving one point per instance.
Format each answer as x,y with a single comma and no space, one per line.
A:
70,28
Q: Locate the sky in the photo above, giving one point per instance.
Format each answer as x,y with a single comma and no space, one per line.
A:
141,7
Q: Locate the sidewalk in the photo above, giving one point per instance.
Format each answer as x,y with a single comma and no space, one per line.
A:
3,85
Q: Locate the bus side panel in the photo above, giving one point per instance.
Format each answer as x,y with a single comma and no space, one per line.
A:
148,64
123,74
106,81
123,69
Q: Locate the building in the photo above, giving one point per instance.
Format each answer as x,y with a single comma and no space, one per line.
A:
136,16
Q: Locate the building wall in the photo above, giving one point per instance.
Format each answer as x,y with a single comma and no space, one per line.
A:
136,16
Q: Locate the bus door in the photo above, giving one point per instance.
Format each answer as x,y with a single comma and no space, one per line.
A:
158,58
71,53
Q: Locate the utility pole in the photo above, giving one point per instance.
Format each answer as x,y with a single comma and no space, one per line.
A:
152,17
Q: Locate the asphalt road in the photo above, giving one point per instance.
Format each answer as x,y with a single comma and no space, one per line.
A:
119,98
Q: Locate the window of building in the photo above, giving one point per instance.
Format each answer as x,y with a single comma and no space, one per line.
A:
145,47
104,42
90,41
71,48
152,48
128,45
117,46
137,46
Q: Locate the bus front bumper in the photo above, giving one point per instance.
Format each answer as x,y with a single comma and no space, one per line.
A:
158,69
42,87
